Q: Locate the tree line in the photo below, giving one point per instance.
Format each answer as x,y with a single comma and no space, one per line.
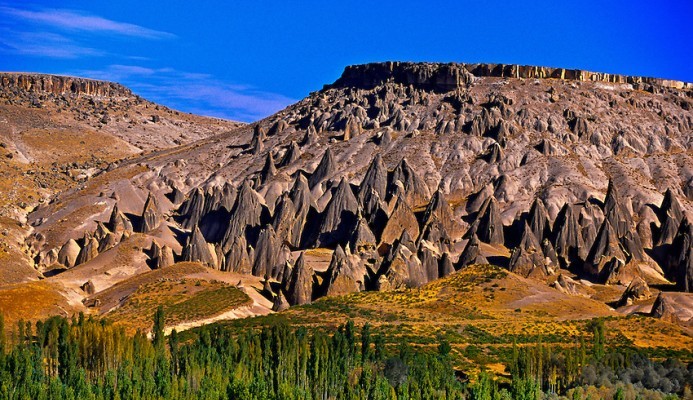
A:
88,358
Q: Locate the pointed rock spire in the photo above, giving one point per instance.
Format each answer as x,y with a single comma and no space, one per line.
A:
193,208
197,249
108,241
615,212
490,228
340,277
671,206
259,136
439,208
471,254
435,233
429,263
151,214
269,260
301,283
248,212
311,136
268,170
161,257
682,256
527,262
401,267
339,217
445,267
362,238
89,251
293,153
567,235
539,220
606,249
671,215
284,219
326,168
237,258
415,188
118,222
528,240
375,179
401,219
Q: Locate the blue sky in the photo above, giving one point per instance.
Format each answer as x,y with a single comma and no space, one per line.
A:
245,60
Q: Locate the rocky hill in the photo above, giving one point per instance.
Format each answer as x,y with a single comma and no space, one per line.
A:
399,174
57,133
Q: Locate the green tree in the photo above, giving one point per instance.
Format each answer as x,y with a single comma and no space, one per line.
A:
158,330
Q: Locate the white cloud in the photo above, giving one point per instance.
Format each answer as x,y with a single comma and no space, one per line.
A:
76,20
194,92
43,44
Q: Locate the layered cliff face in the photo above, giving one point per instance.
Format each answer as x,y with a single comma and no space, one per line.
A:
447,77
18,84
401,173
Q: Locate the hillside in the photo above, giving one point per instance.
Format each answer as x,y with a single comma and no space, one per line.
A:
393,177
57,133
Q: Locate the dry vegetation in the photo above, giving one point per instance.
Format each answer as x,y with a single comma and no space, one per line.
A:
183,300
481,311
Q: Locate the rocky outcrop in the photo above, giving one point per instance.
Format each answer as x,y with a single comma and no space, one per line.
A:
60,85
665,309
160,256
636,290
446,77
280,303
